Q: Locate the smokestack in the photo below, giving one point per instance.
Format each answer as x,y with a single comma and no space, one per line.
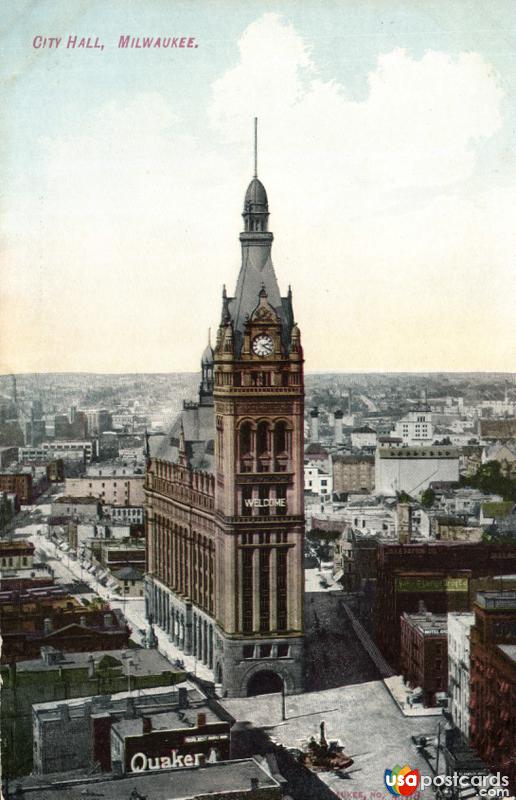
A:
182,699
404,522
338,426
254,784
314,425
147,724
201,719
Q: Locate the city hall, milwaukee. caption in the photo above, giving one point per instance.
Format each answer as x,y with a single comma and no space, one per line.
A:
224,491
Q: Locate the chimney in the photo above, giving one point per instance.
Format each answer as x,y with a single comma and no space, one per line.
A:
116,767
82,621
314,425
130,708
182,697
147,724
338,426
201,719
254,784
421,607
47,626
64,712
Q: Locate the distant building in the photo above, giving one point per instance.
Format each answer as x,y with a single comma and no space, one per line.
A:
131,581
493,681
8,456
317,481
363,437
444,575
75,451
81,507
459,626
61,676
115,490
501,429
127,515
353,473
17,554
424,653
456,529
18,483
412,469
99,421
415,428
38,618
115,555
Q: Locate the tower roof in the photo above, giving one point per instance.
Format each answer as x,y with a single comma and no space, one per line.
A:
256,195
207,356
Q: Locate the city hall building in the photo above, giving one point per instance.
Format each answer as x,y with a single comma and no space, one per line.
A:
224,491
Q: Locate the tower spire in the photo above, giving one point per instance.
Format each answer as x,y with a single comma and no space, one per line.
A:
255,147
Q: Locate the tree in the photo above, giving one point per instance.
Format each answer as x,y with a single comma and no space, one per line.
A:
428,498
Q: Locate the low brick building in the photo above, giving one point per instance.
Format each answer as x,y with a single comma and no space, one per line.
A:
353,473
34,618
17,554
18,483
424,653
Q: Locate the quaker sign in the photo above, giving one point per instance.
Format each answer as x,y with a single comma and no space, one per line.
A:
141,762
176,749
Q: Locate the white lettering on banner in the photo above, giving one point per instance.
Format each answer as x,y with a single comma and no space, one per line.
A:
266,503
140,762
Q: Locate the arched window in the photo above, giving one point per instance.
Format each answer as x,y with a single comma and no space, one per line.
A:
245,438
262,438
280,438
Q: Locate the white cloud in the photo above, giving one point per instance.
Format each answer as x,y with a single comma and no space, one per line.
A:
134,224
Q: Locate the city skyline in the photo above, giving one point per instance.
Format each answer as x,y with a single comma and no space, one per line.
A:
130,165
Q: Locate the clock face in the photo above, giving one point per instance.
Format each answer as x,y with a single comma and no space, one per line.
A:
263,345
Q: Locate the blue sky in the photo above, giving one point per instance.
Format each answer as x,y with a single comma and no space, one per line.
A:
386,145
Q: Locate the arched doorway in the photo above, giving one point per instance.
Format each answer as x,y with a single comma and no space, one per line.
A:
264,682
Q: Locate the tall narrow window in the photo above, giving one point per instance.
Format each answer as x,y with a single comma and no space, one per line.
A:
264,590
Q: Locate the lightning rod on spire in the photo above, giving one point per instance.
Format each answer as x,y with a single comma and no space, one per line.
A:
256,147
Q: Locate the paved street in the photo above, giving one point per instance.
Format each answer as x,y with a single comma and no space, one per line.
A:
334,656
363,717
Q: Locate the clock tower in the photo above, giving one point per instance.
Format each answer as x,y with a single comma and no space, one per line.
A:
224,510
258,396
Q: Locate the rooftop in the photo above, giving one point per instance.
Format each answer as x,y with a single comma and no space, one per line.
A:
146,700
224,776
429,624
144,662
165,721
500,601
67,499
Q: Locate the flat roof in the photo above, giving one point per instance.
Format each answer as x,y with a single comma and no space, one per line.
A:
224,776
144,661
165,721
146,701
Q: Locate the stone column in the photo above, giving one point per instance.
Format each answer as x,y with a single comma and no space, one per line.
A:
256,589
273,578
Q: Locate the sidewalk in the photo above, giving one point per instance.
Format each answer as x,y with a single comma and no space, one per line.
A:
400,694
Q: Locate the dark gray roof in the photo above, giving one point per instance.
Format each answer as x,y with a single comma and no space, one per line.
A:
145,662
165,721
224,776
128,574
199,430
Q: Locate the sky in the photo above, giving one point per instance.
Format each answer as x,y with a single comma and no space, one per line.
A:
386,145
